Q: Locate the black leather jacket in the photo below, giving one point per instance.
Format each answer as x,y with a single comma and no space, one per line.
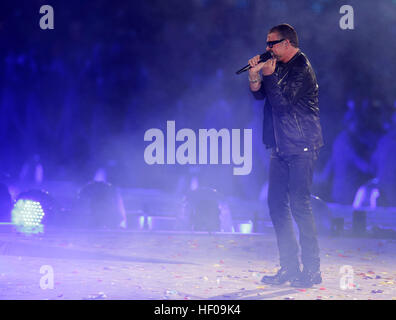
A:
291,112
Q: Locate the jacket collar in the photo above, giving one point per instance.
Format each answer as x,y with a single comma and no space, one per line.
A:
298,53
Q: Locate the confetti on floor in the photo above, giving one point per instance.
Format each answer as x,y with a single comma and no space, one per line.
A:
184,266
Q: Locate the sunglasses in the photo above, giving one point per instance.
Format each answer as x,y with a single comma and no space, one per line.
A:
270,44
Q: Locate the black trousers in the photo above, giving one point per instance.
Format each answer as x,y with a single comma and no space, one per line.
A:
289,191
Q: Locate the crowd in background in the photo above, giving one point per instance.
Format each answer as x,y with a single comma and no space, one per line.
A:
81,96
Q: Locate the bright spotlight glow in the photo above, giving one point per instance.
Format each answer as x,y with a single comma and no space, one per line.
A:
141,222
246,227
27,215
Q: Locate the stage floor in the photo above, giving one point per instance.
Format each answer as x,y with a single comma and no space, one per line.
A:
169,265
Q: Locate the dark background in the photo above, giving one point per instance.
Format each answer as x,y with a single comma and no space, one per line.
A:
82,95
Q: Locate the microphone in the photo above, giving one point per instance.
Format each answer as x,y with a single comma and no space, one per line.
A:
263,57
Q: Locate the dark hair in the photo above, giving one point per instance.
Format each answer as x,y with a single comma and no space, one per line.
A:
286,31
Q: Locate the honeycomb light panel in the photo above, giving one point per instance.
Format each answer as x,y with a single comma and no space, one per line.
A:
27,215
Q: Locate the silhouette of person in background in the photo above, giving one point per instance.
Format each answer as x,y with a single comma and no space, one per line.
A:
32,172
346,168
384,160
349,167
102,176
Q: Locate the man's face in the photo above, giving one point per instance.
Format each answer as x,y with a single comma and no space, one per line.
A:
278,50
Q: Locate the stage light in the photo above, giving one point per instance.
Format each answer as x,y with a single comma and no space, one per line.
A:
246,228
141,222
27,216
32,211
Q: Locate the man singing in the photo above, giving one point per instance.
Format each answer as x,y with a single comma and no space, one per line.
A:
292,129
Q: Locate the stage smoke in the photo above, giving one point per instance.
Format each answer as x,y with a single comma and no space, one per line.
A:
5,203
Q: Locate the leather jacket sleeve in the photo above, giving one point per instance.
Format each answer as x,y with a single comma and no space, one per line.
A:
291,111
259,94
284,98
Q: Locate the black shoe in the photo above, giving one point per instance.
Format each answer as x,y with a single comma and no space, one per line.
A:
307,279
283,275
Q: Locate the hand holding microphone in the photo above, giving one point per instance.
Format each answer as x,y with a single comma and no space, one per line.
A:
256,60
256,64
